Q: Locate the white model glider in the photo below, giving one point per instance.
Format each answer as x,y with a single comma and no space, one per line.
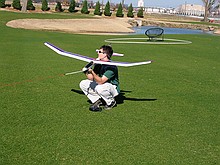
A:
88,59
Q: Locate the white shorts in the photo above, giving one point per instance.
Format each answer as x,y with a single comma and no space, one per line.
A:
94,91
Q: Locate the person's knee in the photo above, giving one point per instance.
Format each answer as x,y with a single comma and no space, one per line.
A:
99,89
82,84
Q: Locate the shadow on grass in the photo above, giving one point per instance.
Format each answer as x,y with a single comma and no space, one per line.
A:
121,97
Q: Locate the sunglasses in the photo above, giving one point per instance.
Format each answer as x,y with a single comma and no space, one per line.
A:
99,51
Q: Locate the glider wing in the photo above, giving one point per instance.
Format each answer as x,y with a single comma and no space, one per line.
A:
68,54
125,64
89,59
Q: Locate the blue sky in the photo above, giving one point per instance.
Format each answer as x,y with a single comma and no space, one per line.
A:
160,3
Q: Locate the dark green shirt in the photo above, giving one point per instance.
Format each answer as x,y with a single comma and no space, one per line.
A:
109,71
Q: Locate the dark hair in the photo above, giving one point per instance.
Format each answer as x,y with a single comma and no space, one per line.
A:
107,50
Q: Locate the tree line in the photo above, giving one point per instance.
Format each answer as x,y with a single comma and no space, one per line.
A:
28,5
16,4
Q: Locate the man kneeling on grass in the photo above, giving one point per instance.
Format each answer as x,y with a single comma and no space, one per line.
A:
102,83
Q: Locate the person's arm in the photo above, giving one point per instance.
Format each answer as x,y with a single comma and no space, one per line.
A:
99,80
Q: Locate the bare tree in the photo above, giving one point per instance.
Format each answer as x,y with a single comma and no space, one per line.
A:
24,6
209,4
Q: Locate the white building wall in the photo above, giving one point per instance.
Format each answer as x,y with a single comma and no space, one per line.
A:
140,3
191,9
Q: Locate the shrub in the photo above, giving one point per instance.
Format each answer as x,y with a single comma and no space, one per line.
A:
140,13
30,5
120,11
72,6
2,4
7,5
16,4
58,7
97,9
107,11
130,11
84,9
45,5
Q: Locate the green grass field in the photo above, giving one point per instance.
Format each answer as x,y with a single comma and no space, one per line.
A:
169,115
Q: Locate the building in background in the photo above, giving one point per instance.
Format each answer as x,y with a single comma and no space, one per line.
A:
140,3
185,9
191,10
